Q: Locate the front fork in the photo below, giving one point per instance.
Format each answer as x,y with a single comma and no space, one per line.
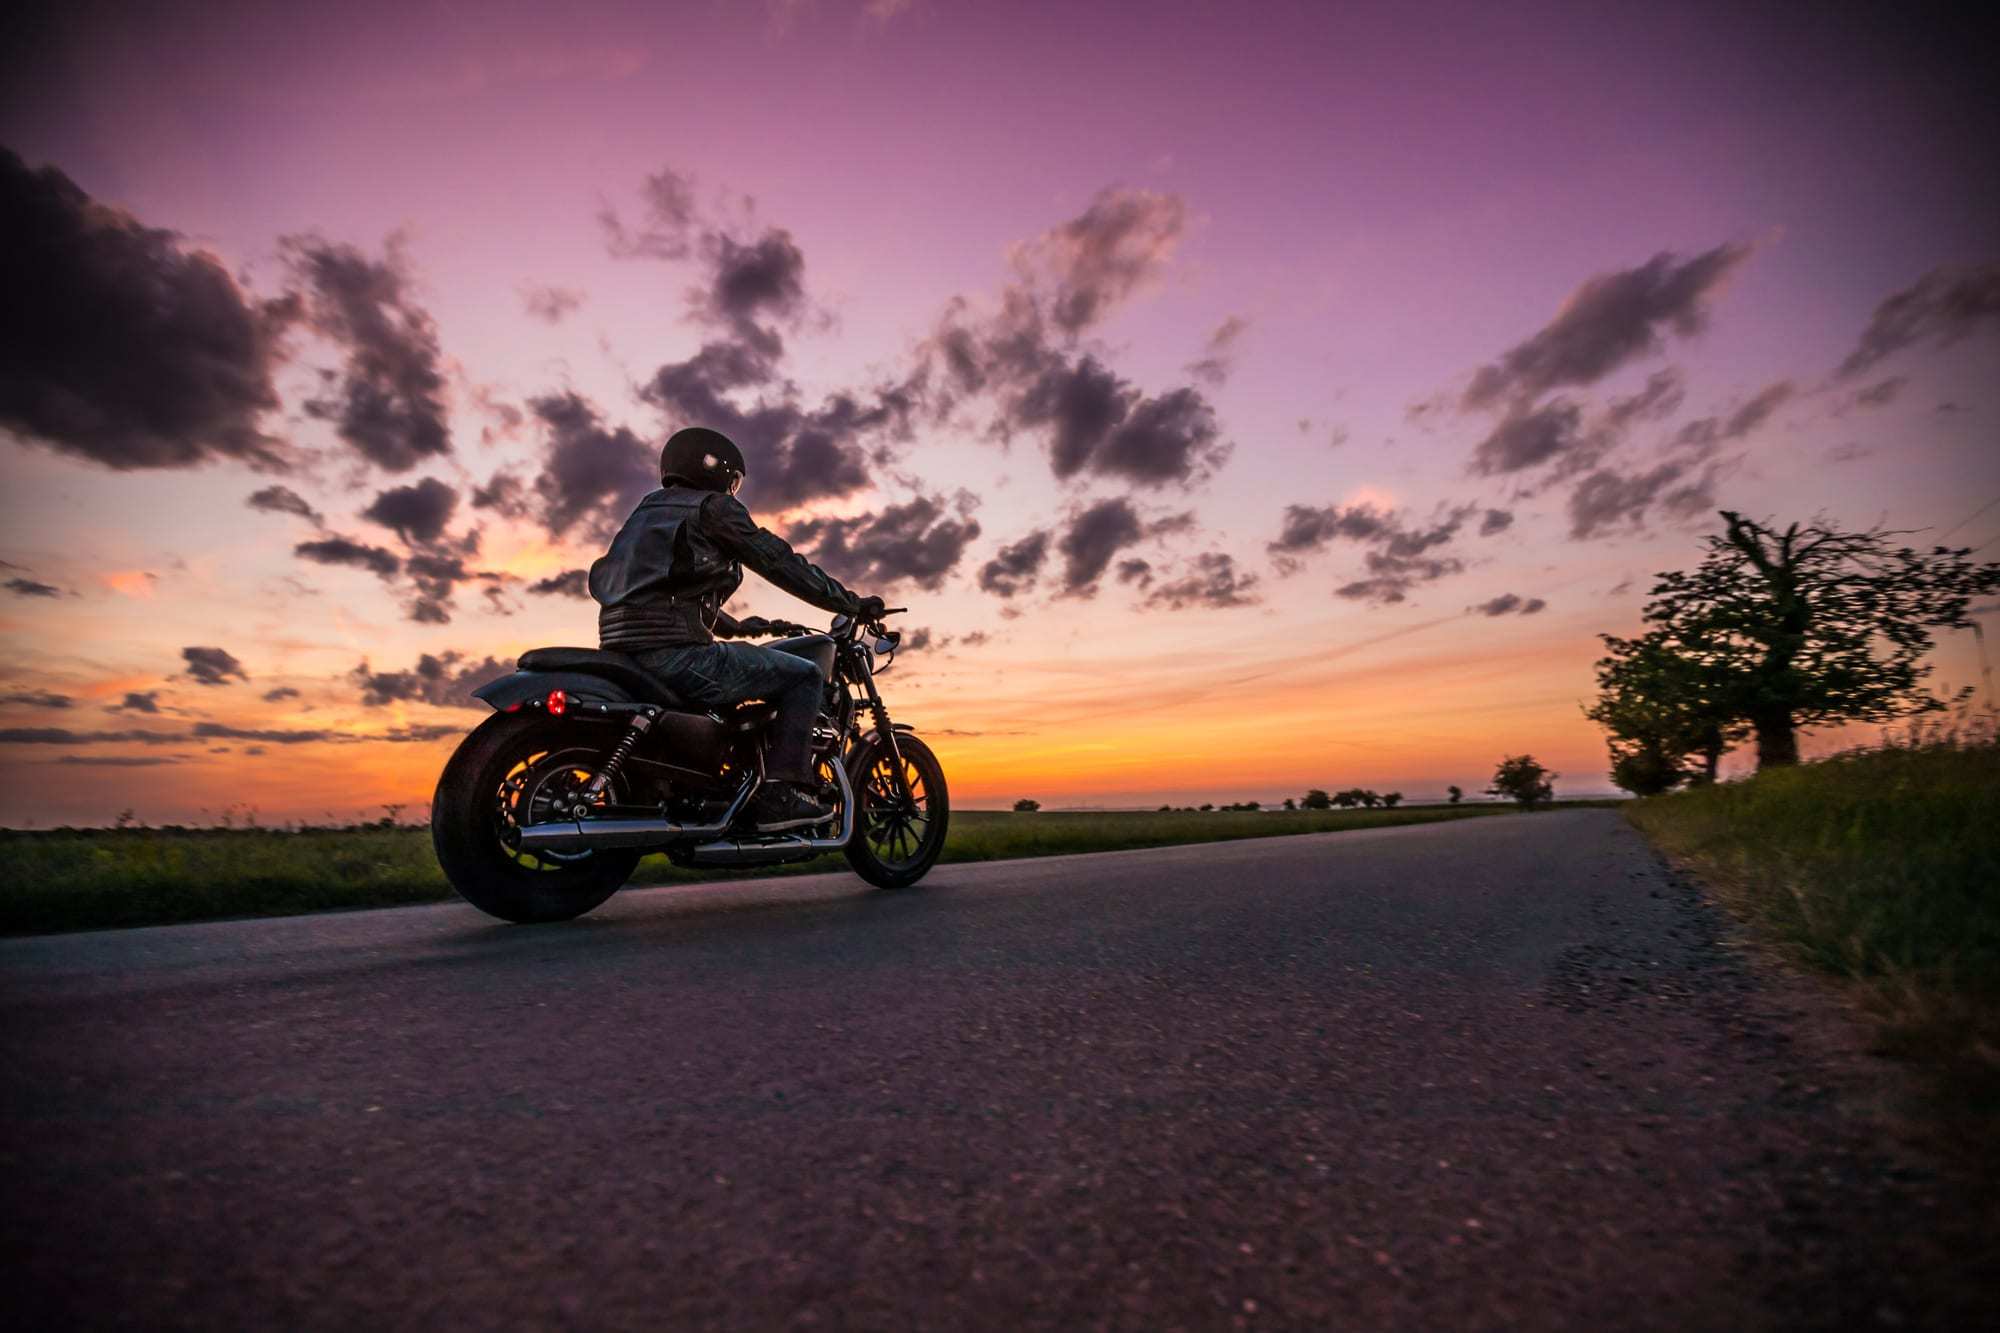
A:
887,732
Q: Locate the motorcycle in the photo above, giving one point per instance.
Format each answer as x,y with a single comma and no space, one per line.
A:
589,763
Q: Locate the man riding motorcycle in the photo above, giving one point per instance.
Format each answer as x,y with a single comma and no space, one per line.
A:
660,590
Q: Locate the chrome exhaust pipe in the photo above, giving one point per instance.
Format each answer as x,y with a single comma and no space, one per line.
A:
577,835
739,852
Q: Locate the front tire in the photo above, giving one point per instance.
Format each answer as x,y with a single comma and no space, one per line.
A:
504,775
896,841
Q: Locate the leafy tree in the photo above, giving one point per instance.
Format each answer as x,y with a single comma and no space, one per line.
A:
1457,794
1814,625
1522,779
1390,799
1317,800
1024,806
1206,806
1291,804
1670,712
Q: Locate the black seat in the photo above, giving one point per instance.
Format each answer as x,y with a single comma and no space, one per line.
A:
619,668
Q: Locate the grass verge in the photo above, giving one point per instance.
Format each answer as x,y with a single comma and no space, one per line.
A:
96,878
1882,867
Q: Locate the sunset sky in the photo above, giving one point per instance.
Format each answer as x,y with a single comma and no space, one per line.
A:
1243,398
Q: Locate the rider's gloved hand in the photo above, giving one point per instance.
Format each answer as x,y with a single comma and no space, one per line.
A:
788,628
870,610
754,627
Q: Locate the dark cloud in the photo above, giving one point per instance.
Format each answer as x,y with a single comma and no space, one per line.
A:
1710,431
750,282
1214,582
505,494
445,680
30,588
1092,539
1495,520
1401,556
1218,357
1136,571
1883,393
590,473
148,701
1097,421
284,500
270,736
1016,567
1098,258
418,514
916,640
280,694
1660,397
212,666
1608,321
38,699
569,583
551,304
974,639
339,550
1508,604
122,760
1941,307
1608,499
1529,437
119,345
388,402
920,541
64,736
668,229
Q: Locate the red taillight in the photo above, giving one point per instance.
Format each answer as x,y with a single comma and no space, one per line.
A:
558,703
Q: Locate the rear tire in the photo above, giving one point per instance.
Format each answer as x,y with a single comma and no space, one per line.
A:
896,844
499,778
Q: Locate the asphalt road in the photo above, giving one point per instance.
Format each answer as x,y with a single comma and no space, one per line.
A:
1498,1073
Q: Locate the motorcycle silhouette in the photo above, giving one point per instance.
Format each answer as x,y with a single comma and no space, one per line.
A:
589,763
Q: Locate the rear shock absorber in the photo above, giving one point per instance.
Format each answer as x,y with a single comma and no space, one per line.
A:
641,723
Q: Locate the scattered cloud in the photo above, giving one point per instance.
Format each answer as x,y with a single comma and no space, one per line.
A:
23,587
920,541
1214,582
387,401
1218,357
1942,307
285,500
1093,537
551,305
591,474
146,701
445,680
1508,604
279,695
1529,437
1095,260
37,699
418,513
1495,521
1609,499
1609,321
569,583
1706,431
1882,393
1017,566
338,550
212,666
669,219
121,760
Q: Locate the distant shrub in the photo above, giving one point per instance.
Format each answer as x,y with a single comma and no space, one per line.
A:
1025,806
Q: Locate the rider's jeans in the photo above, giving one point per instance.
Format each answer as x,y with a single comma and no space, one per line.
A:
716,675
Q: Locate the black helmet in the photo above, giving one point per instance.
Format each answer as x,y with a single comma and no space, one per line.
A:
705,459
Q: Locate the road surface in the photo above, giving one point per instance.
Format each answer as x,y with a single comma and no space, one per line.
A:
1497,1073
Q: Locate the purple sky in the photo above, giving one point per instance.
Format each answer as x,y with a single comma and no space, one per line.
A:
1396,266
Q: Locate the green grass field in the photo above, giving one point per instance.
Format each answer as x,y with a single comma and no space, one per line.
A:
89,879
1882,867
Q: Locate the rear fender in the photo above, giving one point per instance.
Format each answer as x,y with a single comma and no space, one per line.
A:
511,691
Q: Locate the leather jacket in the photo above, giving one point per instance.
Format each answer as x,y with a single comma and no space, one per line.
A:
679,557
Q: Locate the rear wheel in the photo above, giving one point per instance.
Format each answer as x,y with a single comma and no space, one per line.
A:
898,838
511,771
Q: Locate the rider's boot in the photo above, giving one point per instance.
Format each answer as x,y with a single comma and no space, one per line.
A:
786,805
